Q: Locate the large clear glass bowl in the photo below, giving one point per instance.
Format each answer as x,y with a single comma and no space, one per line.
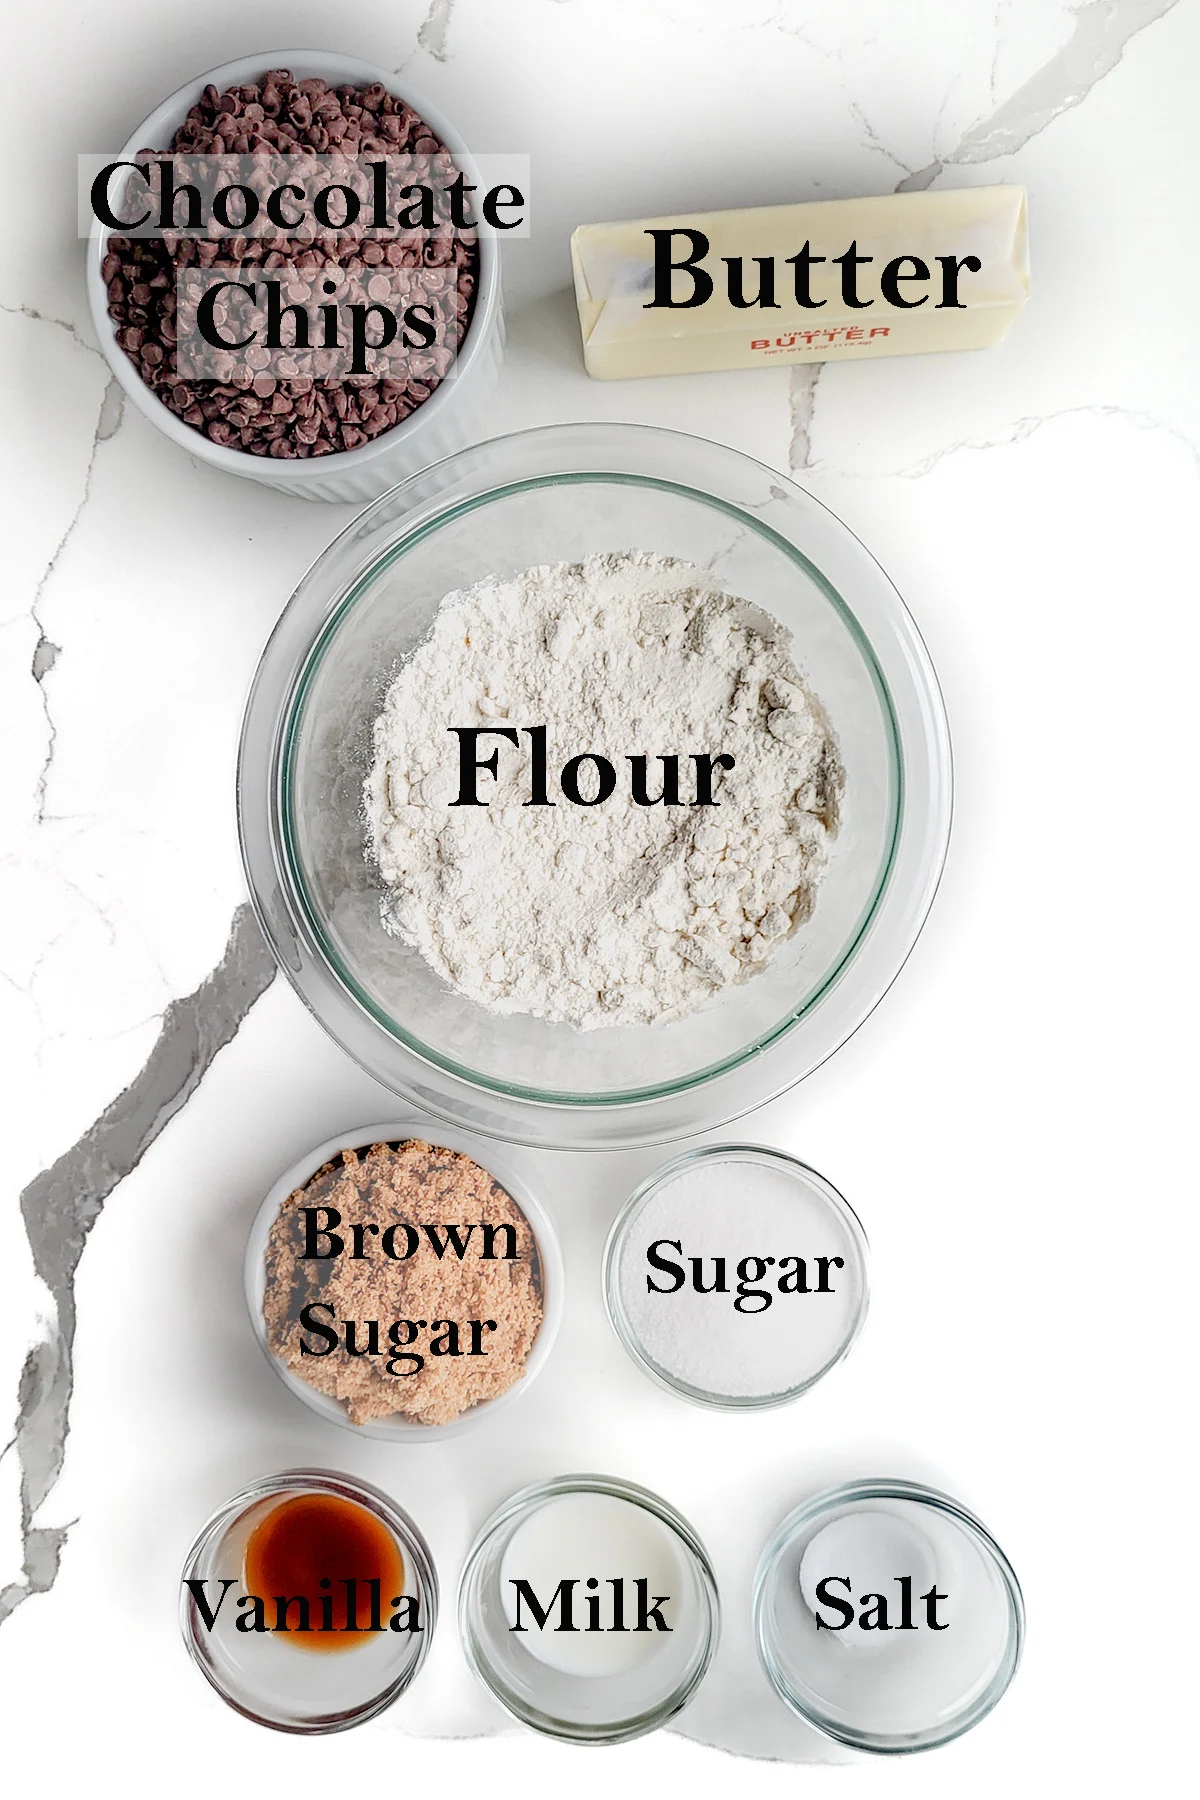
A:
558,494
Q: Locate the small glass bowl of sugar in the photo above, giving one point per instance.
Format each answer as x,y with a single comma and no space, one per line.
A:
736,1276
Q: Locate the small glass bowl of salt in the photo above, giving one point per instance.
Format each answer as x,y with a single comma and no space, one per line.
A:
887,1616
736,1276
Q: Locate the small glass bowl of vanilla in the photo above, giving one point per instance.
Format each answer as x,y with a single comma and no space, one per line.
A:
308,1601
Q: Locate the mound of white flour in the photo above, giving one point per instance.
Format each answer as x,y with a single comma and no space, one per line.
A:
618,913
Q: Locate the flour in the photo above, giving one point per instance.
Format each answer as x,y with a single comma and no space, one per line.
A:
617,913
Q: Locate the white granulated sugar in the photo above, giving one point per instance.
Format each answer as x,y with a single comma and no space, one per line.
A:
742,1220
615,914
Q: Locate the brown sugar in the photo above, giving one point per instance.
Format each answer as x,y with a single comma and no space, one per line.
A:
424,1320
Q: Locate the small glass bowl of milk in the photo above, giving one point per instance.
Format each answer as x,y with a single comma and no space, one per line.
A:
588,1607
887,1616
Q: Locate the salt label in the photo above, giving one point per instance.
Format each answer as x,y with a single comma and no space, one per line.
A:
872,1572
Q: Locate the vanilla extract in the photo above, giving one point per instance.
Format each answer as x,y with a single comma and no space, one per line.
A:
320,1569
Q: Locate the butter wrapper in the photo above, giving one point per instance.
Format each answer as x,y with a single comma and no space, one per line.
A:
782,291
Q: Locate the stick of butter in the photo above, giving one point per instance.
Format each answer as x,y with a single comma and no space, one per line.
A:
825,281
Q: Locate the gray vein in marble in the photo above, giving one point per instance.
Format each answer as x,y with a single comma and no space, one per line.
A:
108,418
781,21
435,28
112,411
45,655
1096,45
1003,7
1016,431
434,31
803,401
41,318
45,652
1101,31
872,138
61,1205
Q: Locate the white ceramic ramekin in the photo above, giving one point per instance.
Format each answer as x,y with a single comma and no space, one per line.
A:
451,417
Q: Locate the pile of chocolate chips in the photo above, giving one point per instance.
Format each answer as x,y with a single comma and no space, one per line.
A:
274,414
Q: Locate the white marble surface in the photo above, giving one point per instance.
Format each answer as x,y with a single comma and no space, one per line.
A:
1009,1122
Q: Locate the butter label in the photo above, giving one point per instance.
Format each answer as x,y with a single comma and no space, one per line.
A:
831,280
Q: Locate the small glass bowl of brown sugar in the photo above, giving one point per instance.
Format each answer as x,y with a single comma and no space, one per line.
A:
404,1288
308,1601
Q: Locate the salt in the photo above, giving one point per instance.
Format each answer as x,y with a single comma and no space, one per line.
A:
740,1276
870,1550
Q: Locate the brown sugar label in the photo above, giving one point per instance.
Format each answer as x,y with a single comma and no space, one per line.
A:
403,1279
